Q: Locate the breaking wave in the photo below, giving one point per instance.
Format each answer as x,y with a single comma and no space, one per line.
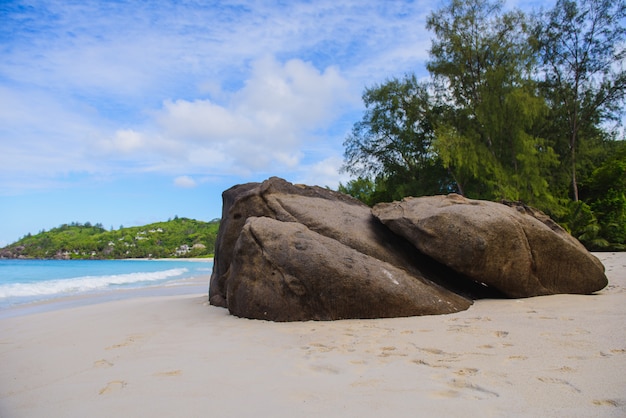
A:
85,284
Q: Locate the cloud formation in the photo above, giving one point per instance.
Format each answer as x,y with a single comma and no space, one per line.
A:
209,88
263,124
185,182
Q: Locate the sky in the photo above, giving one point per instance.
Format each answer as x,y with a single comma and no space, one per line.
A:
127,112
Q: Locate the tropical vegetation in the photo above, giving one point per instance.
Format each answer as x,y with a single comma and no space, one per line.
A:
178,237
517,107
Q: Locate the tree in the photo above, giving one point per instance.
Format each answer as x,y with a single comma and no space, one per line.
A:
489,138
361,188
582,47
606,194
393,142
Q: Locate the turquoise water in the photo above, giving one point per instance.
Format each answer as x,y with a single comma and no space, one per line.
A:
26,281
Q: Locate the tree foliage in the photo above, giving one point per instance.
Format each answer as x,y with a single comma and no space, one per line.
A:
361,188
581,48
515,109
480,63
394,141
606,194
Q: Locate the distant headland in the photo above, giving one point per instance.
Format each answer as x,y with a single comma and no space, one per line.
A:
175,238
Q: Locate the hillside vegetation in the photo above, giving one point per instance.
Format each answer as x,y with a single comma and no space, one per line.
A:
180,237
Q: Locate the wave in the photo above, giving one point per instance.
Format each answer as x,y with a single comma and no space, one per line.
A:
86,283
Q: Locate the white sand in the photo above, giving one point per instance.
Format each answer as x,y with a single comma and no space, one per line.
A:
175,356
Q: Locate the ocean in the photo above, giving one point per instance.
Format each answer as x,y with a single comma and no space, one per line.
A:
26,281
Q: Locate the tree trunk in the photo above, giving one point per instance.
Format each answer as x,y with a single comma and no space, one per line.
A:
459,186
574,183
572,144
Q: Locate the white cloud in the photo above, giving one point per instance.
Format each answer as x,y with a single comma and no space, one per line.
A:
325,173
125,141
185,182
263,125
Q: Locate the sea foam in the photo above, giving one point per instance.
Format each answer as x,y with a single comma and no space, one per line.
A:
86,284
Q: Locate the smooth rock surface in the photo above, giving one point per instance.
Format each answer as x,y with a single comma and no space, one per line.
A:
283,271
511,247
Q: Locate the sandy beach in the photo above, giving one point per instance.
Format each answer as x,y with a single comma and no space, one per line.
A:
164,355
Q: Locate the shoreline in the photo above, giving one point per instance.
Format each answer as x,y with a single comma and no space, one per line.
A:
185,286
175,355
49,301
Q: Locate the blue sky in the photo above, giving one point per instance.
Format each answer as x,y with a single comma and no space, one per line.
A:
131,112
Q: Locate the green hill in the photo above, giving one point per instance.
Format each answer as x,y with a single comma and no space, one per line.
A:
180,237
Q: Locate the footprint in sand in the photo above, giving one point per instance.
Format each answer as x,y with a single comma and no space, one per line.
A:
577,331
102,363
605,402
170,373
324,368
481,393
478,318
558,381
390,351
322,347
464,388
128,341
466,372
114,386
459,328
434,366
367,383
612,352
432,350
446,394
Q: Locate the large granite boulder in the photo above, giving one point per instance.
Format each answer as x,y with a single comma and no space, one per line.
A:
255,200
289,252
511,247
283,271
329,214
